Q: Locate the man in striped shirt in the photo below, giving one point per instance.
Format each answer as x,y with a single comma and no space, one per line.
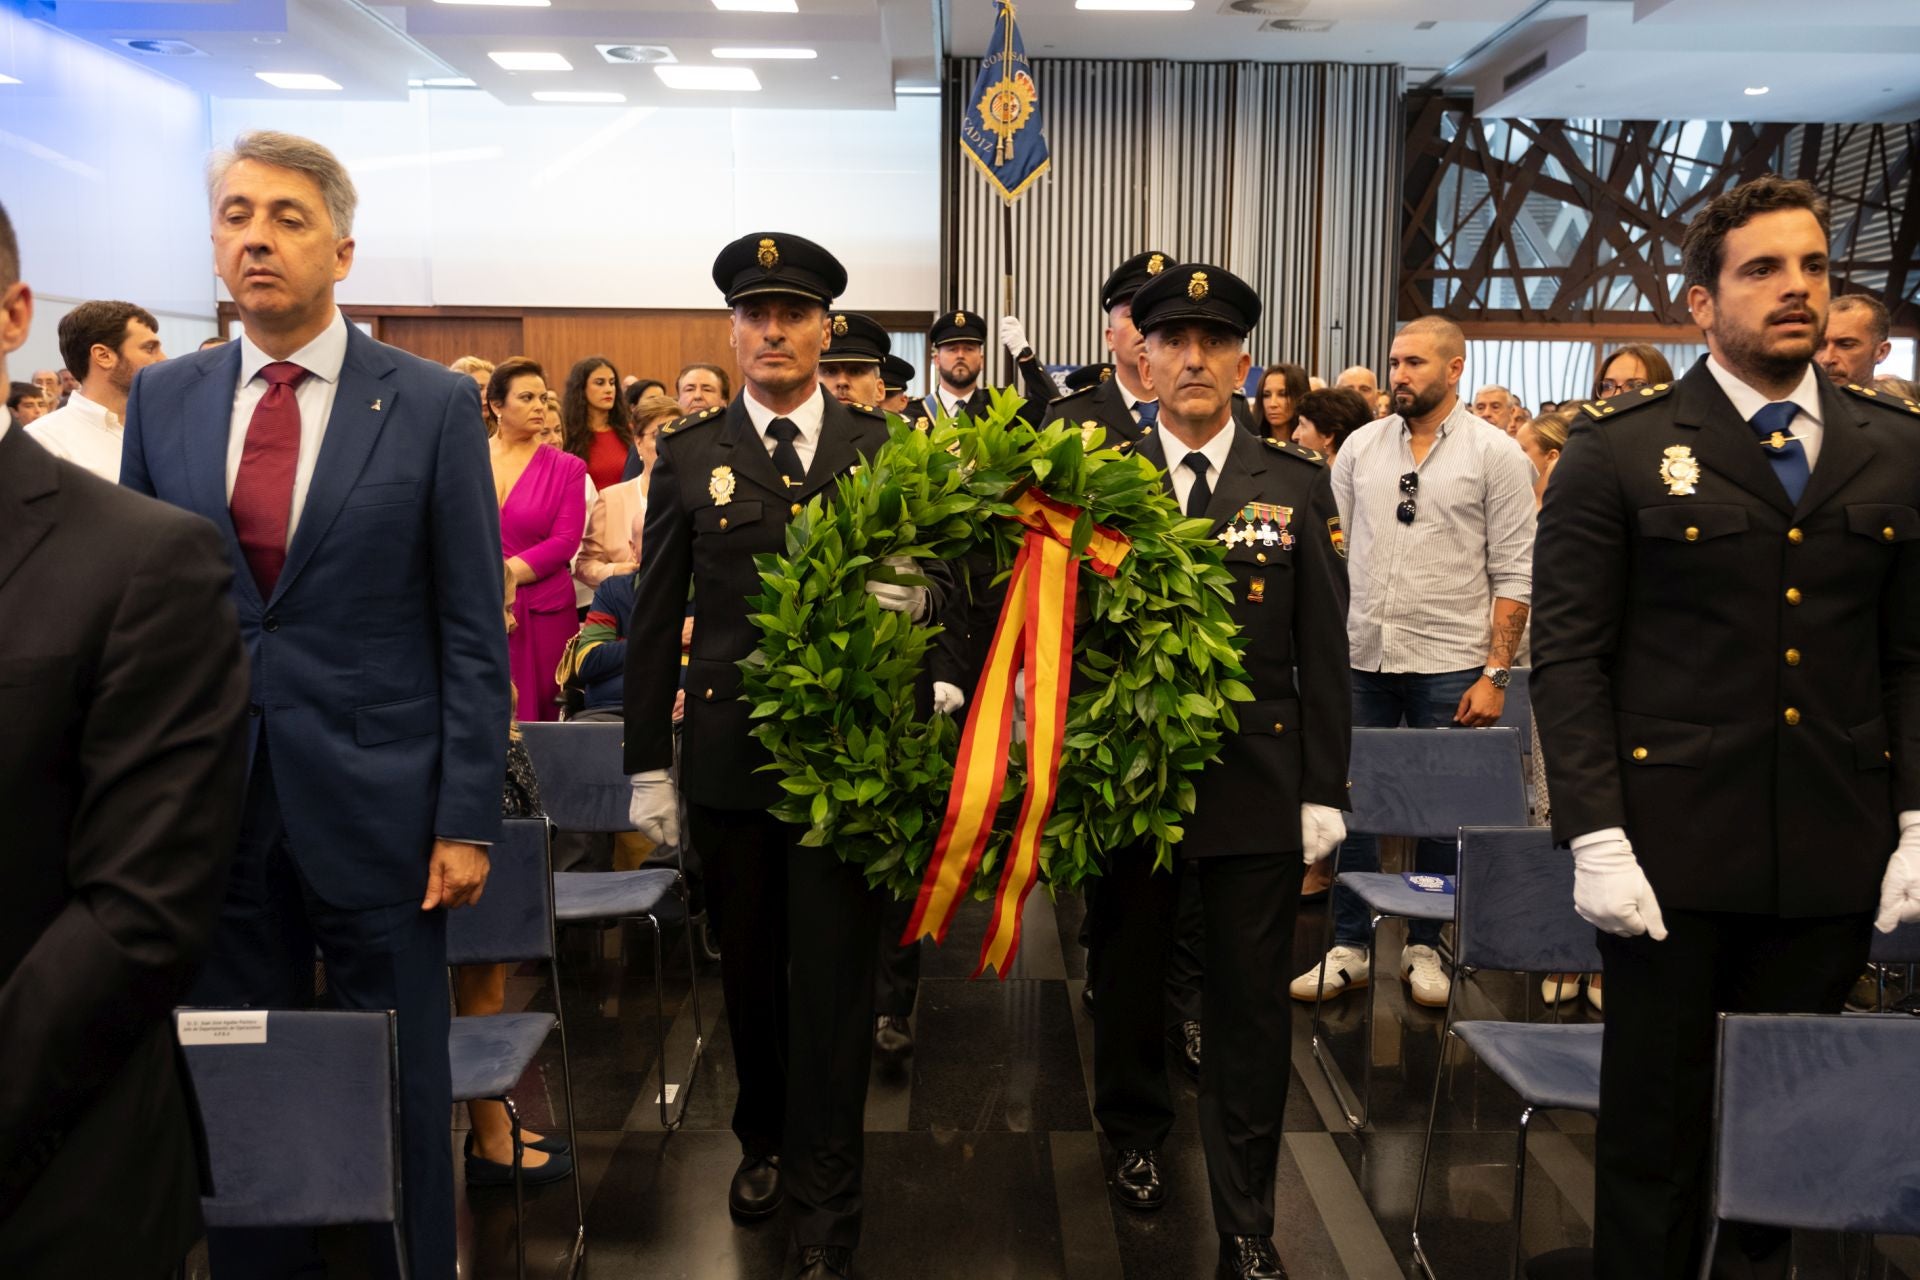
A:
1438,511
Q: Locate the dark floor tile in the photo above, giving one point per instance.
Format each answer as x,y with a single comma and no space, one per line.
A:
961,1206
992,1055
1039,955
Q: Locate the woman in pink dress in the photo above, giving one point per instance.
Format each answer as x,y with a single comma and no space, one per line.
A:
542,496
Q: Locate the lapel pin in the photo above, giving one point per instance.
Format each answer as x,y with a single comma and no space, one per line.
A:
375,406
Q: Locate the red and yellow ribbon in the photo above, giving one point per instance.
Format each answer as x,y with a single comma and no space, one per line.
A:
1032,641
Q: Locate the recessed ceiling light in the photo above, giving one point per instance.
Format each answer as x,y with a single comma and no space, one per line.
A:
7,79
516,4
266,40
1166,6
584,96
757,6
530,61
1755,90
295,80
733,79
745,52
636,53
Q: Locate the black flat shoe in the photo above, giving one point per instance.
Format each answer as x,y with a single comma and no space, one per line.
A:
1249,1258
1188,1045
892,1039
825,1262
1136,1180
550,1144
756,1191
482,1172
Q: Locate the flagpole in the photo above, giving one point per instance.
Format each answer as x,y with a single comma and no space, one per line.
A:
1006,302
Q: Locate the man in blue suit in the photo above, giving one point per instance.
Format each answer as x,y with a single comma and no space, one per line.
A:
351,484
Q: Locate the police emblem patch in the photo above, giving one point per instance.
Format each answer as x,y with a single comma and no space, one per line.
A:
1197,287
720,486
839,326
1680,470
1156,264
769,255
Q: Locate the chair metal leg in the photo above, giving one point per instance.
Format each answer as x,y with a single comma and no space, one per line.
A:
671,1121
1713,1243
519,1190
1317,1042
1519,1189
1426,1150
573,1138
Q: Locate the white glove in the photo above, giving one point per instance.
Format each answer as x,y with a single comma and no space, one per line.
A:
947,698
1321,831
1013,335
1900,887
911,601
1610,891
654,808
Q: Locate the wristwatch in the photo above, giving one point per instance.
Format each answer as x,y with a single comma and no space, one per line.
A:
1497,676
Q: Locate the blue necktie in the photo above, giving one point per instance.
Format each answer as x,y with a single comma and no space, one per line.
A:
1788,457
1149,411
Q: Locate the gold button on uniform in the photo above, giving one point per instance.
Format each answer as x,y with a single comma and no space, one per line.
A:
1792,715
709,693
1793,657
1639,753
1278,727
796,508
1693,534
1793,595
1261,556
723,522
1886,534
1796,537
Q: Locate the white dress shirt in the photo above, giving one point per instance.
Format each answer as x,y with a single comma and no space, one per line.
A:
952,403
1215,450
1132,401
1807,428
6,420
322,359
84,433
807,417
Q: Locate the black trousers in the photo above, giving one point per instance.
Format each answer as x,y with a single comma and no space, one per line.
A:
896,977
1247,904
1653,1140
798,932
388,957
1185,968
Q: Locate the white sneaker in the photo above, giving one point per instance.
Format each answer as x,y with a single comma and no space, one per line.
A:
1425,977
1347,968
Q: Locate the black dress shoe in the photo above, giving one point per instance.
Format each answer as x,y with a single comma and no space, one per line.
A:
1136,1180
1249,1258
892,1039
1189,1047
756,1190
825,1262
482,1172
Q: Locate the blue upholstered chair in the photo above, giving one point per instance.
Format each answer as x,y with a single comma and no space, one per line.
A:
513,922
303,1129
583,788
1415,782
1815,1124
1513,912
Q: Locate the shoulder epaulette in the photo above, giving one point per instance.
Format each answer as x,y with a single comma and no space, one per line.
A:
1613,406
1073,395
693,420
1293,450
1886,399
866,409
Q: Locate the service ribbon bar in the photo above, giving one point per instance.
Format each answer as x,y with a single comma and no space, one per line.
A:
1033,640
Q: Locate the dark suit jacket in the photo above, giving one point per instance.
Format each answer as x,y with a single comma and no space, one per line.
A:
1667,650
1290,603
380,662
976,404
1102,403
695,542
124,691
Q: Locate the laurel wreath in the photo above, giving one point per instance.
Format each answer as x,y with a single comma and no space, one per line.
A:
1156,652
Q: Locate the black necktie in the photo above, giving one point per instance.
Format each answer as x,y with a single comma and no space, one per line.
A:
1201,493
785,456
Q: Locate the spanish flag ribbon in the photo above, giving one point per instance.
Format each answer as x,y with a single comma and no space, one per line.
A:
1034,636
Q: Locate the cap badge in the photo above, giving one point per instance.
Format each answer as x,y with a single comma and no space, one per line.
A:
1681,471
1156,264
1197,287
769,255
839,326
720,486
959,317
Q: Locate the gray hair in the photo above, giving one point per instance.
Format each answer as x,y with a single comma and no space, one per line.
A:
303,155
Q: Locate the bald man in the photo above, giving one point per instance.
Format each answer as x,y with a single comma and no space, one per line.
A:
1361,379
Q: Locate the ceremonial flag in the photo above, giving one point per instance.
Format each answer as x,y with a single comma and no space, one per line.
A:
1001,129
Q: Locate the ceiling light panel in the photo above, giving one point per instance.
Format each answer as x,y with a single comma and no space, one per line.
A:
296,80
636,54
7,79
757,6
738,52
557,95
719,79
530,60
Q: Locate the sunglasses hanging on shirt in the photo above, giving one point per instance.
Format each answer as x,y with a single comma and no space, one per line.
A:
1409,485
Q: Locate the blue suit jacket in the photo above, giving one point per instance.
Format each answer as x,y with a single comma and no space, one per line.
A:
380,660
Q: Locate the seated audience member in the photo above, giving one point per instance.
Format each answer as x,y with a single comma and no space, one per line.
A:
25,403
476,367
612,543
640,387
1494,404
1548,406
702,386
542,515
1359,378
1326,418
1282,386
594,422
53,386
1521,416
107,343
208,343
1541,440
1632,367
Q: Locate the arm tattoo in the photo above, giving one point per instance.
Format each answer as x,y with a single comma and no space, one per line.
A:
1506,634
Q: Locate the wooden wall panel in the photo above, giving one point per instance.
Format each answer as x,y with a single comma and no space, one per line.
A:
445,339
653,344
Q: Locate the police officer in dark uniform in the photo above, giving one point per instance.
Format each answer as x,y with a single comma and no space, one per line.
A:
1122,404
798,928
1271,504
895,375
958,339
1087,376
1726,679
850,366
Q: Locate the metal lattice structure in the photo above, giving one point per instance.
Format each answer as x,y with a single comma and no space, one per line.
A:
1580,221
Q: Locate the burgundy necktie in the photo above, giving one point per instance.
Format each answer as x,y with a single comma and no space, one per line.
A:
262,502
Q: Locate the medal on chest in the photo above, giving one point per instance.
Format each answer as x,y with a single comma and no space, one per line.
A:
720,486
1260,523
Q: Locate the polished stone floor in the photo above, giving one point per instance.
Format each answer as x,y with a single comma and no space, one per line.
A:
983,1160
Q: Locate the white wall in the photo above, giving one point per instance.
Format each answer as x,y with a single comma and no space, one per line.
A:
100,171
465,201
